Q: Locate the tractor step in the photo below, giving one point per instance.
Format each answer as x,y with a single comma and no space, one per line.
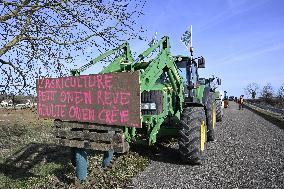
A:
90,136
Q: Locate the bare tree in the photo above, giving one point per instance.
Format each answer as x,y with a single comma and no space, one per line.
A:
38,38
252,89
267,92
280,92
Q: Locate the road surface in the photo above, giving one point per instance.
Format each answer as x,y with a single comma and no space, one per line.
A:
248,153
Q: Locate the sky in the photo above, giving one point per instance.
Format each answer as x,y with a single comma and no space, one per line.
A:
242,41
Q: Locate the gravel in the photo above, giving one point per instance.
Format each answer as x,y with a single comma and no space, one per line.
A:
248,153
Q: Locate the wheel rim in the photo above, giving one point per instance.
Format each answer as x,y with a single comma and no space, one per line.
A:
202,138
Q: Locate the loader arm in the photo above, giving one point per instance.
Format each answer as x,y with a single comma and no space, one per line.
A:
117,65
151,72
162,63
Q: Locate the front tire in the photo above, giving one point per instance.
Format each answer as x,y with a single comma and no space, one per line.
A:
192,135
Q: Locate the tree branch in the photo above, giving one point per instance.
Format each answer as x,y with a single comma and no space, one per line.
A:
16,69
13,13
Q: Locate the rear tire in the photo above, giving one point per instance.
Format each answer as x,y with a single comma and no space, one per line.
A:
211,117
219,111
192,135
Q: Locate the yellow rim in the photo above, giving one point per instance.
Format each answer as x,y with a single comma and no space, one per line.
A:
214,116
202,138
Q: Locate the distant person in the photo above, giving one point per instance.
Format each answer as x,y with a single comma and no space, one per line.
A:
241,102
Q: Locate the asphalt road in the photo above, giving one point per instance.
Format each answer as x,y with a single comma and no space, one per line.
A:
248,153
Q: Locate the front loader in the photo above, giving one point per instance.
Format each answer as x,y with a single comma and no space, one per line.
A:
135,100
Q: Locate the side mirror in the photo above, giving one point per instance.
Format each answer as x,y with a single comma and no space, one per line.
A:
207,81
201,62
201,81
219,81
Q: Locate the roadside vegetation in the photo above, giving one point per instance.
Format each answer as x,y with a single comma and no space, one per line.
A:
267,95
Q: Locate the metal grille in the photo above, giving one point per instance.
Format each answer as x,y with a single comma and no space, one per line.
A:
154,96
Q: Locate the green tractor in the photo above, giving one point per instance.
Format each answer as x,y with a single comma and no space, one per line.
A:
173,100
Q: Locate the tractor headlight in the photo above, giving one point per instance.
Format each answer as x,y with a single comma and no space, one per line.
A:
148,106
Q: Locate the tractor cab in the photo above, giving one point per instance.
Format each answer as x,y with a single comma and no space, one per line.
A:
188,69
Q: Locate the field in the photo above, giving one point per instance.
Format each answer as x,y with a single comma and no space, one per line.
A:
29,159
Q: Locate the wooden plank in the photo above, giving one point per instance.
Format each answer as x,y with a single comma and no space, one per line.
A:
97,137
119,148
91,136
110,99
84,135
74,124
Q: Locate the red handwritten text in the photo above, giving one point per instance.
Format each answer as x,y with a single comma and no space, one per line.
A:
84,114
103,81
51,110
113,98
77,97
